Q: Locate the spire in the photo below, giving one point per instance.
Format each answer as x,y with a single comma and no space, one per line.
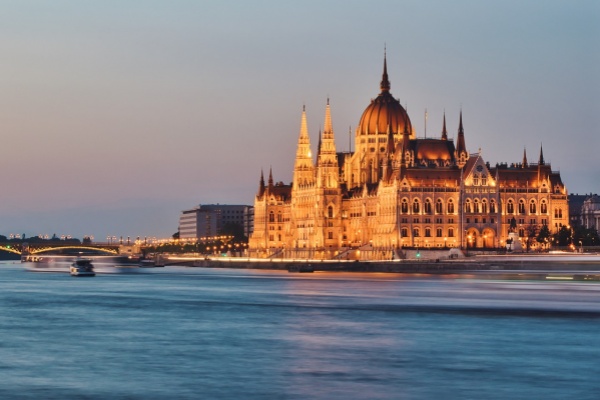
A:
385,83
327,162
319,145
271,177
327,139
303,166
461,148
390,144
328,128
444,131
405,147
524,165
541,161
261,185
303,150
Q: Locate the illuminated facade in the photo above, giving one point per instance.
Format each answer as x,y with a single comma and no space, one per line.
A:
397,191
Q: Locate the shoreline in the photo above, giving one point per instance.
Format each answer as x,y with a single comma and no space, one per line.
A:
506,263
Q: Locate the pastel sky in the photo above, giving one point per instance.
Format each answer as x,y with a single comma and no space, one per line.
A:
117,115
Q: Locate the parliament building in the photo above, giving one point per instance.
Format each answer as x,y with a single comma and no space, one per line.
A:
396,191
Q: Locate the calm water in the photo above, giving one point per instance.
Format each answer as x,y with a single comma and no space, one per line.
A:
229,334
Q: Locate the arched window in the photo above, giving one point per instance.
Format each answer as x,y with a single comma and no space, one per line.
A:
279,217
416,232
484,206
404,206
404,232
427,232
468,206
521,206
476,207
450,232
510,207
427,206
271,216
416,207
483,180
544,207
475,179
450,207
329,212
439,206
492,206
438,232
532,207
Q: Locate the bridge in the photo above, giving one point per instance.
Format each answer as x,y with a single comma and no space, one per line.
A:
48,247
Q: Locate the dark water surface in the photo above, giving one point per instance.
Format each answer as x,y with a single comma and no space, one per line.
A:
235,334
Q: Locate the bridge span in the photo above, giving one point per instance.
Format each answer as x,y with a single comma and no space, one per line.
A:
25,249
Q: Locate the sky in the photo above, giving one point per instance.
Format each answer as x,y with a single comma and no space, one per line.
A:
117,115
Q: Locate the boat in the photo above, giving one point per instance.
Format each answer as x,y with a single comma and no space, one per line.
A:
113,264
82,267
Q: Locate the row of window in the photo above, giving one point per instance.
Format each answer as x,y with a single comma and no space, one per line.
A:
416,206
471,207
416,232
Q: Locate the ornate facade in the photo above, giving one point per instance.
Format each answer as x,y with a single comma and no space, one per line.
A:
397,191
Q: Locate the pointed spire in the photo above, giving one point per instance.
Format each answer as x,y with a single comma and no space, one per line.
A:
303,166
385,83
261,185
524,165
328,127
271,177
327,161
319,145
461,148
303,124
444,131
541,161
390,144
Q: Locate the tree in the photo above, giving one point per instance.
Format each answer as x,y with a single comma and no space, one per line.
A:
585,236
543,235
562,237
530,234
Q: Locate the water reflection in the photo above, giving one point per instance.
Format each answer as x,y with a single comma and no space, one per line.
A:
201,333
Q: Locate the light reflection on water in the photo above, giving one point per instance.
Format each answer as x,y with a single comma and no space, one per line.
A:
200,333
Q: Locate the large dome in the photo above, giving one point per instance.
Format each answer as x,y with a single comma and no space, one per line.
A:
383,112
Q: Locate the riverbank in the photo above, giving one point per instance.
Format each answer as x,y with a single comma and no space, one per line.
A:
547,262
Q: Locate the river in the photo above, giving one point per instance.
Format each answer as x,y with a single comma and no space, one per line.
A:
194,333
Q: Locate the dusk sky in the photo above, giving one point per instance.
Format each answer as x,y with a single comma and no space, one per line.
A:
117,115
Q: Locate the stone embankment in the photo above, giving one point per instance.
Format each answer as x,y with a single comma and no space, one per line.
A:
576,262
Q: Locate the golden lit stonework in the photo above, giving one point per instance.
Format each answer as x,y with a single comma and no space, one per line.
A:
396,193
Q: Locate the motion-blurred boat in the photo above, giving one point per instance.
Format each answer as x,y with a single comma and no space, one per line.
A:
82,267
